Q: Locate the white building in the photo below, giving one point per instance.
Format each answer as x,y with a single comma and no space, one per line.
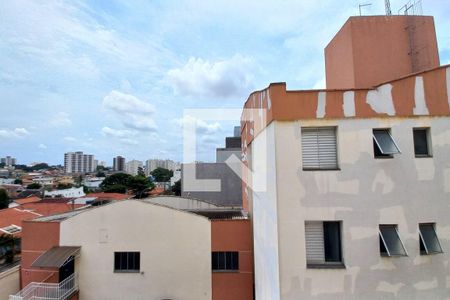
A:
77,162
66,193
349,188
176,176
44,180
93,182
132,167
152,164
8,161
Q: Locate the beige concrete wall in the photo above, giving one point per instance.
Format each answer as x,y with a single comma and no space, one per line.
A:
175,249
364,193
9,282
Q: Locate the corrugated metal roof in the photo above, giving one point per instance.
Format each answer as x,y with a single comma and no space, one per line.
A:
56,256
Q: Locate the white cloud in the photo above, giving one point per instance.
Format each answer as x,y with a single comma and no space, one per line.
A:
69,139
132,111
42,146
223,78
14,133
117,133
61,119
201,126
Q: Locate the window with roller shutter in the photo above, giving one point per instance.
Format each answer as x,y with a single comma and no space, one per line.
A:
319,148
323,244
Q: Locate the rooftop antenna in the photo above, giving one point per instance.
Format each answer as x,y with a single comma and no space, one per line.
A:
387,5
412,7
363,5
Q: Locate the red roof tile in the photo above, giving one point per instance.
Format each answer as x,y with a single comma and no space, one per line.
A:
108,196
27,200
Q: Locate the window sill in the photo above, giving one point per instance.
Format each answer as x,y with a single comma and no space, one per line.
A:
383,157
127,271
318,169
423,156
326,266
225,271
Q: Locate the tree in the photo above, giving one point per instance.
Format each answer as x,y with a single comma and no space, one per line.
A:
40,166
141,172
176,188
162,174
116,183
100,174
140,185
63,186
115,188
4,199
34,186
18,181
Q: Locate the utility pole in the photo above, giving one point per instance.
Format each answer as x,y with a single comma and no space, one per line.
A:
363,5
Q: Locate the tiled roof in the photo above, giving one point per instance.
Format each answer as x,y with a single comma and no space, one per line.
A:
108,196
47,209
29,199
15,216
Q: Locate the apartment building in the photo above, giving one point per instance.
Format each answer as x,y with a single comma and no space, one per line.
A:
119,164
8,161
78,162
348,187
132,167
152,164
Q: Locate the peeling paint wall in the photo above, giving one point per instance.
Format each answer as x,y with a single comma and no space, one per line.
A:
364,193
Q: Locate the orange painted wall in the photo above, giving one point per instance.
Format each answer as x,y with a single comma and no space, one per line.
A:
233,235
370,50
37,237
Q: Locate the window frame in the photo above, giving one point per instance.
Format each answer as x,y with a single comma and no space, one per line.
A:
327,264
381,237
422,240
317,128
11,229
377,144
127,255
428,139
235,255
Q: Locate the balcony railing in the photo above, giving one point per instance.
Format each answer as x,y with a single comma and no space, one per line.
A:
48,291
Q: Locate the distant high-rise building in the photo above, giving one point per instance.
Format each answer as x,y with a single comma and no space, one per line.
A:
152,164
119,164
8,161
78,162
132,167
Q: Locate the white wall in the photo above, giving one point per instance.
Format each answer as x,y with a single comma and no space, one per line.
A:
175,251
264,216
366,192
9,282
181,203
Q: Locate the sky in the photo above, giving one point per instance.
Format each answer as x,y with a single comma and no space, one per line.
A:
115,77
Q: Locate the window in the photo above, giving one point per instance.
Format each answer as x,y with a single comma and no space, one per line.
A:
127,262
323,243
11,229
390,242
225,261
429,242
383,144
319,151
421,142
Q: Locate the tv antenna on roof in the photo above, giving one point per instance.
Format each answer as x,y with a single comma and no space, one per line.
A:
387,6
412,7
363,5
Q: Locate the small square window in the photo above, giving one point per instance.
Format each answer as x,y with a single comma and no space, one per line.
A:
11,229
319,148
323,244
383,144
429,242
421,142
225,261
127,262
390,242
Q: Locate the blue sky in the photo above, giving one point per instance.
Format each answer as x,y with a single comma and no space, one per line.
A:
113,77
